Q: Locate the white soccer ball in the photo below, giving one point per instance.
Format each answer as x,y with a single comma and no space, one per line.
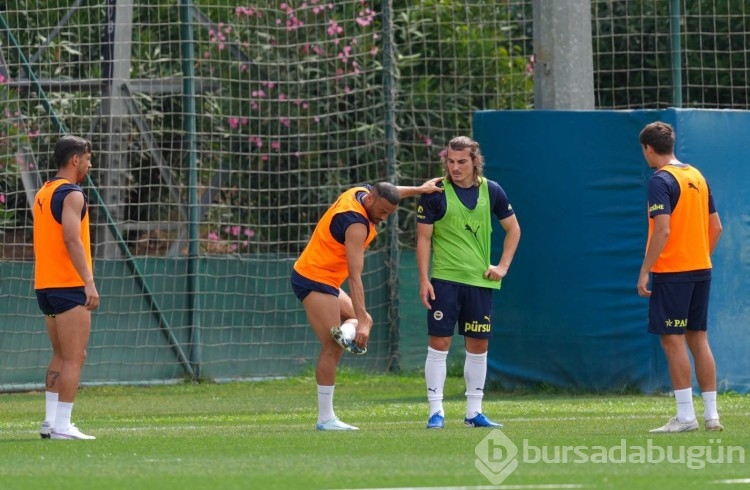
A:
348,331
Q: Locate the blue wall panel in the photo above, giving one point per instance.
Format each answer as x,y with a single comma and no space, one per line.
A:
568,314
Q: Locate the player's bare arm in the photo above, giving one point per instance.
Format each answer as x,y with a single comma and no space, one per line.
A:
510,245
356,235
428,187
714,231
657,243
71,225
424,247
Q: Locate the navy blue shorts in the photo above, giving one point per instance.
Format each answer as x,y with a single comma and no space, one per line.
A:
469,306
55,301
675,307
303,286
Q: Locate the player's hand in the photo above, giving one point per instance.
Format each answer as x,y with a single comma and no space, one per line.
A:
642,287
431,186
363,333
426,294
92,297
495,272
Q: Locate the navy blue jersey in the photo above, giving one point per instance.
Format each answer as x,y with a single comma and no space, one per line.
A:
59,196
664,192
431,207
342,221
663,198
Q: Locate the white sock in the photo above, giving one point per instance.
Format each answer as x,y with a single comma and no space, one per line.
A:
62,417
709,405
475,373
50,411
685,410
435,371
325,403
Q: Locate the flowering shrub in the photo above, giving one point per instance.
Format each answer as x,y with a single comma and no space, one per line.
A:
295,111
290,104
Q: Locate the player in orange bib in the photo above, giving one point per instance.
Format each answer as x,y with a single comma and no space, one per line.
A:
684,228
335,253
64,280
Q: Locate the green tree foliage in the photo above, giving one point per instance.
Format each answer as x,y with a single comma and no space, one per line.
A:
291,101
453,58
633,49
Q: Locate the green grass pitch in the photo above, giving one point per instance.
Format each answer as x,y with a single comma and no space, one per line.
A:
261,435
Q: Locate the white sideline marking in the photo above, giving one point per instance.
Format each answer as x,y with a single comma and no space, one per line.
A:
488,487
738,481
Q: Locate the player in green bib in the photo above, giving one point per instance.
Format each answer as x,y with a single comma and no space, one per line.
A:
455,228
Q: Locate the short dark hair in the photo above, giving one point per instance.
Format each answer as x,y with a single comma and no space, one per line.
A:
70,145
659,136
387,191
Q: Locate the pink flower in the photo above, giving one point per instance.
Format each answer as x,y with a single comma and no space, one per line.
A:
213,236
233,122
334,28
365,17
2,198
344,54
247,11
249,233
276,145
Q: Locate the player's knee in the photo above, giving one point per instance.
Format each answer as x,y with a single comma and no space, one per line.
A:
440,343
331,350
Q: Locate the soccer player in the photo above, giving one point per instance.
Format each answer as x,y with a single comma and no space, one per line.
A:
335,252
683,230
64,280
456,227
